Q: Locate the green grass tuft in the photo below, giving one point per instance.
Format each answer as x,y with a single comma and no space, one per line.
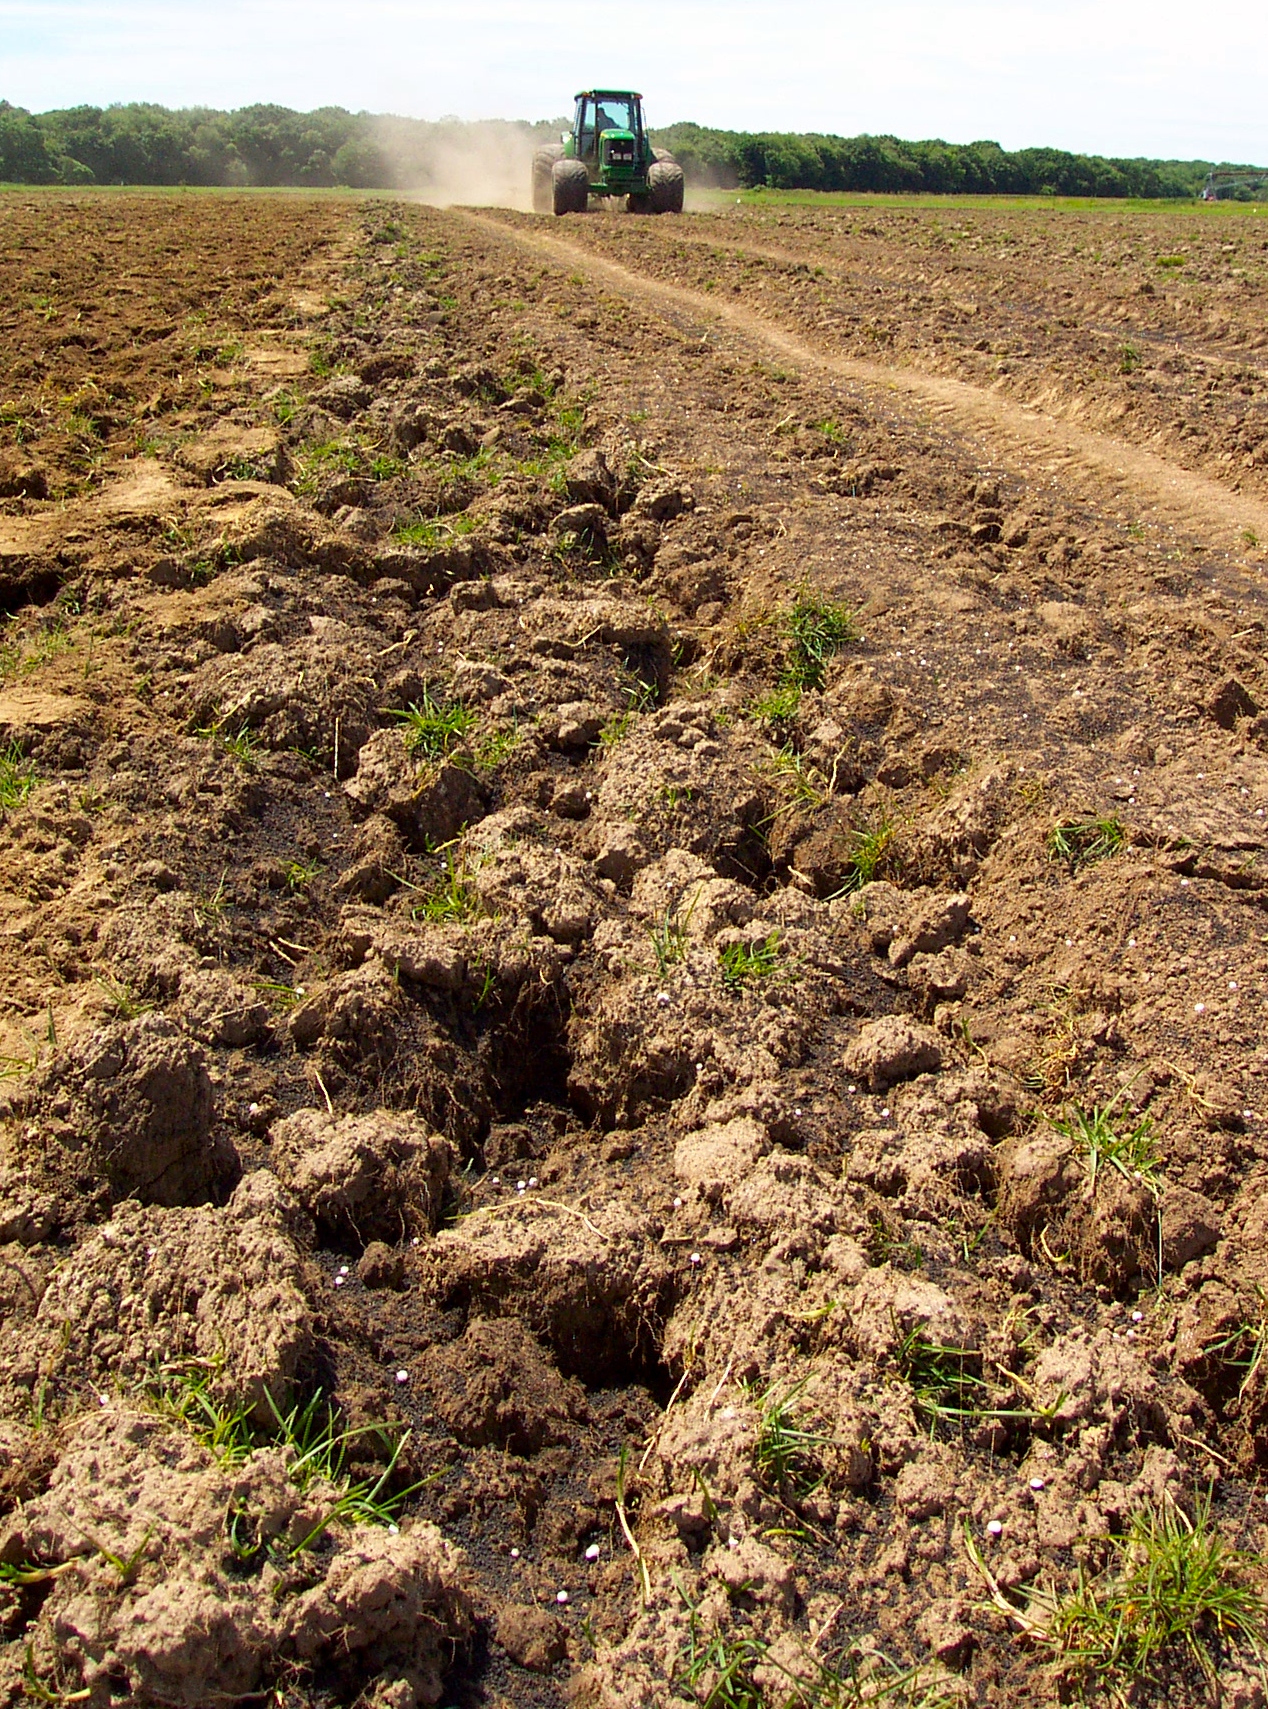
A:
722,1668
435,727
428,533
872,853
804,781
1133,1152
817,630
1176,1588
780,706
1080,842
300,874
742,962
787,1450
670,942
17,777
314,1441
451,898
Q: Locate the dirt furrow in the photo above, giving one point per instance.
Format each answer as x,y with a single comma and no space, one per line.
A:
1014,434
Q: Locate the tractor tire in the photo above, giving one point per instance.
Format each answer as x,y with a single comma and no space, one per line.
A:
638,204
665,187
543,164
661,154
570,187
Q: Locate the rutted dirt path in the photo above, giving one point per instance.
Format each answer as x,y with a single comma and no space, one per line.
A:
564,887
1013,434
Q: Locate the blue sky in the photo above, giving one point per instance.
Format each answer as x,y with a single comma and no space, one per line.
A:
1119,77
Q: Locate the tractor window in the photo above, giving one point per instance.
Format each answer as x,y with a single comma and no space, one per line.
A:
586,139
607,113
616,114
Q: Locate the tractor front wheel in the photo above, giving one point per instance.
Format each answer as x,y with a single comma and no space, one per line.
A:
570,187
665,187
543,165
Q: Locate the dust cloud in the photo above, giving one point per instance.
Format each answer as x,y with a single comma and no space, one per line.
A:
483,164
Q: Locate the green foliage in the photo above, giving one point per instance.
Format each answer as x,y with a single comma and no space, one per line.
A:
430,532
784,161
241,744
617,728
17,777
718,1668
495,748
278,992
804,782
318,463
315,1444
1128,359
741,962
1176,1588
452,897
139,143
435,727
123,1000
1079,842
226,1432
1244,1350
949,1387
946,1381
780,706
817,629
300,874
787,1451
640,696
871,852
1132,1152
670,941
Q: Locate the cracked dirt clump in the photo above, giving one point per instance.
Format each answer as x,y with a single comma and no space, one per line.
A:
380,1176
152,1288
133,1104
145,1599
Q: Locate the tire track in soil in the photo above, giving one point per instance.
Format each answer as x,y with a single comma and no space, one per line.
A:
1022,438
899,279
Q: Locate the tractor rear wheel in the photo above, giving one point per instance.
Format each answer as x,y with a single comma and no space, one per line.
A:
665,187
639,204
543,163
570,187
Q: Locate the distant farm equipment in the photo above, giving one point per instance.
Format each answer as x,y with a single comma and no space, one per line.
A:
606,153
1224,183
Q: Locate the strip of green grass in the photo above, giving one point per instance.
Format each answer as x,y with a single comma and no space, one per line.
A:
711,200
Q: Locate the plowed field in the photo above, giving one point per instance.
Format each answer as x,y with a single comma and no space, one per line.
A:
632,920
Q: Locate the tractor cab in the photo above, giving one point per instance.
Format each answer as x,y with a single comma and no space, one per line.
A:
607,134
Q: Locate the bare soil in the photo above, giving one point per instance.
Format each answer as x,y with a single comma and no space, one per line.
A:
621,1052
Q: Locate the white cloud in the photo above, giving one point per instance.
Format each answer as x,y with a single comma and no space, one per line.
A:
1120,77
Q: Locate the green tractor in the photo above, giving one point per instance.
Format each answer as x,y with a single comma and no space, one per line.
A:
606,153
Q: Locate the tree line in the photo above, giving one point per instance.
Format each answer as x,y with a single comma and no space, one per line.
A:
139,143
783,161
